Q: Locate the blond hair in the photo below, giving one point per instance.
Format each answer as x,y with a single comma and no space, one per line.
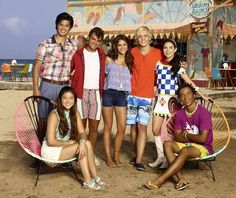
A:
143,29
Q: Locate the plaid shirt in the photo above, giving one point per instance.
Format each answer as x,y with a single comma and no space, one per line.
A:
56,58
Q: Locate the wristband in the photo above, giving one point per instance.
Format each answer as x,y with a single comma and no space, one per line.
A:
185,136
196,88
82,141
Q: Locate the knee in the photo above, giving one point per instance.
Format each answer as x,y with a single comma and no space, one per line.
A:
167,144
156,131
93,130
184,152
121,128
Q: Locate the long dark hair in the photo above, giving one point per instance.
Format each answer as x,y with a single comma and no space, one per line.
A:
63,125
175,62
113,54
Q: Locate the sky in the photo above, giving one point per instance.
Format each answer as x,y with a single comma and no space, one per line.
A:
24,24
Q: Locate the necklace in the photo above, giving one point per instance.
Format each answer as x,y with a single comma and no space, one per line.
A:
190,114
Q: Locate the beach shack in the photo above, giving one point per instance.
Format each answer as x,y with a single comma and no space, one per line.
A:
204,29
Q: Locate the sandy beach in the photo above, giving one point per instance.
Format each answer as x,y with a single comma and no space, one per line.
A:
16,180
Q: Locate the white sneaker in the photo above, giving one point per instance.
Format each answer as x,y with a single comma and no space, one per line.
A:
158,161
97,161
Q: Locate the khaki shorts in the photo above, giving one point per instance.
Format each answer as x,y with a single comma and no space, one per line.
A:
202,149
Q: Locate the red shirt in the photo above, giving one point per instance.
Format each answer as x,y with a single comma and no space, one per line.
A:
77,64
143,73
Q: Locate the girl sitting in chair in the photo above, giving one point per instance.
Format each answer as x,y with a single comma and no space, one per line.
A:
66,138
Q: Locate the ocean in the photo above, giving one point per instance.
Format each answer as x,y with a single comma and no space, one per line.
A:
19,61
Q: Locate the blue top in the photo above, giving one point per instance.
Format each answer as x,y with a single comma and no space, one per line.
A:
58,135
167,83
117,77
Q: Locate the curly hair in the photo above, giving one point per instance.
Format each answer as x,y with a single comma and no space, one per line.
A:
113,54
175,62
64,128
184,85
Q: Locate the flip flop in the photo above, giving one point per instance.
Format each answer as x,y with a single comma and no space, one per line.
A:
181,185
149,186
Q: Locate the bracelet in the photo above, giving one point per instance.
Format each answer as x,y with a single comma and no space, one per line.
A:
82,141
185,135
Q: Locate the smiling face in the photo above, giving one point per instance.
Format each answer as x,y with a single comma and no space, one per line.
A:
169,50
93,43
186,96
143,38
63,28
67,100
122,47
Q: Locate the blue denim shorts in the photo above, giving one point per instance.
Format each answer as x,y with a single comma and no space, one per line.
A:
113,97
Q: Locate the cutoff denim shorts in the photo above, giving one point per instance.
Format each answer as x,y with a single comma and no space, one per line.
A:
112,97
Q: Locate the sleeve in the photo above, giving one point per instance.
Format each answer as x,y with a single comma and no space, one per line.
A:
178,121
72,65
41,51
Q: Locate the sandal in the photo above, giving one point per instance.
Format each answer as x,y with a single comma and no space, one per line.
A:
99,181
181,185
92,185
149,186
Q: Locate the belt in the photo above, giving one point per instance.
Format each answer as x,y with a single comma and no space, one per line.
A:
56,82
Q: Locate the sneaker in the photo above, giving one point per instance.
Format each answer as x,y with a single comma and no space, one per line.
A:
97,161
132,161
140,166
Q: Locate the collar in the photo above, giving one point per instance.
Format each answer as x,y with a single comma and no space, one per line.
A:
163,61
68,40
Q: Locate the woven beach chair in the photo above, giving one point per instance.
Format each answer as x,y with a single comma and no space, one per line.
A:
28,129
221,132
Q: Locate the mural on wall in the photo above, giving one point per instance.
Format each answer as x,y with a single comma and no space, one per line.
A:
129,14
198,56
217,37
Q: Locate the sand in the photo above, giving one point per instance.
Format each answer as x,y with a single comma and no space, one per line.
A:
16,180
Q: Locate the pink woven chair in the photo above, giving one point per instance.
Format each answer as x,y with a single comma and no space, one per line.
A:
221,131
28,127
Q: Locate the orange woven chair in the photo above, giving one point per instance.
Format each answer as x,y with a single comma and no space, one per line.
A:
221,131
7,72
28,128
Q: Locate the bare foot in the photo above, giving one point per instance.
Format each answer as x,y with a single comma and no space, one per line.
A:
110,163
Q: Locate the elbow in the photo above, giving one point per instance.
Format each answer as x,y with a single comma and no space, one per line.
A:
51,143
202,140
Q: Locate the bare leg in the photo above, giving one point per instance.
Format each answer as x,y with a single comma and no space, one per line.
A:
171,148
141,142
133,134
93,131
107,113
70,151
177,164
91,161
84,123
156,125
121,126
